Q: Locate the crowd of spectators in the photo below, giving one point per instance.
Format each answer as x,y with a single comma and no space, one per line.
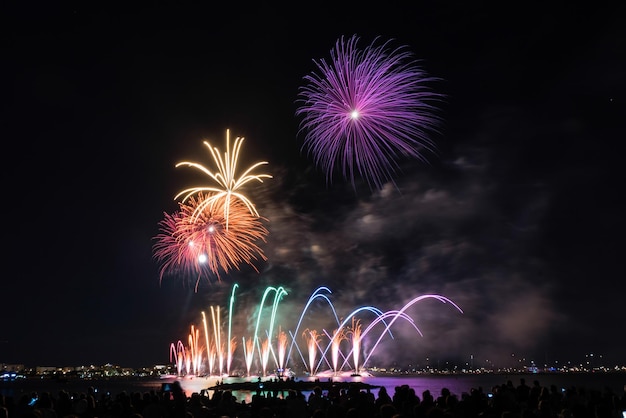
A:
508,400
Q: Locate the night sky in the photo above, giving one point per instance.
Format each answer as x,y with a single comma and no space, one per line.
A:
519,218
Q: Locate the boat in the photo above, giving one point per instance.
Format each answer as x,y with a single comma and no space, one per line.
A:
280,385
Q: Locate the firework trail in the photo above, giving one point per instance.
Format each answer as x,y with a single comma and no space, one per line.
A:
312,339
336,339
282,348
198,244
365,110
355,333
248,351
229,184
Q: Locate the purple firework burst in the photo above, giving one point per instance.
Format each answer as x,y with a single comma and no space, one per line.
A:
366,110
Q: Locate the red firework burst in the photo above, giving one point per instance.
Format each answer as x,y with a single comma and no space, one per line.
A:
200,245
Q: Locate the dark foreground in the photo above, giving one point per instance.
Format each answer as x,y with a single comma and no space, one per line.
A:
508,399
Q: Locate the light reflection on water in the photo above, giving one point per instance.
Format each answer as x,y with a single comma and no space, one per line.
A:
457,384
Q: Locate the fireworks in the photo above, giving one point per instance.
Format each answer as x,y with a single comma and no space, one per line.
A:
355,334
229,184
266,345
217,228
365,110
198,243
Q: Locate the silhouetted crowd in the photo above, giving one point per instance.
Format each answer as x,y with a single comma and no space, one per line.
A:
504,401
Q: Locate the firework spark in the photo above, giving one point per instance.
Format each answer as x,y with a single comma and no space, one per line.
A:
355,333
229,184
366,110
193,243
313,339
